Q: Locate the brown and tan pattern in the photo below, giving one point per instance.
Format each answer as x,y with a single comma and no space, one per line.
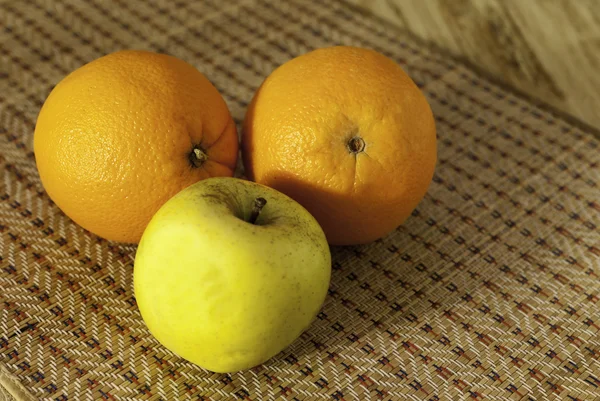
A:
550,49
490,290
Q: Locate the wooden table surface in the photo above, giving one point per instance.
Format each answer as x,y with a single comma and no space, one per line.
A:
549,49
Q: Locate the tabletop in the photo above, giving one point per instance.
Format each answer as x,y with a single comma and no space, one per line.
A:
549,49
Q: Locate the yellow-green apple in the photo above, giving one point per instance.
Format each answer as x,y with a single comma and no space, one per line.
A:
229,272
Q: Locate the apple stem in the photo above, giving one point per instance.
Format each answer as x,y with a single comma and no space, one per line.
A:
259,203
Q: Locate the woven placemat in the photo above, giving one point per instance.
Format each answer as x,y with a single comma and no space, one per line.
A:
489,291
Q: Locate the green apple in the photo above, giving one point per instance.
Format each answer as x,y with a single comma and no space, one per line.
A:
229,272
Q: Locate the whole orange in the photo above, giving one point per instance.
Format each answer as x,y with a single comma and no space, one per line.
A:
119,136
346,133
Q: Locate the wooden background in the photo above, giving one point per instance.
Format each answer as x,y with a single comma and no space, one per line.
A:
549,49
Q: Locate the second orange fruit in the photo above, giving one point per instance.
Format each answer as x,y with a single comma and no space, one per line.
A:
346,133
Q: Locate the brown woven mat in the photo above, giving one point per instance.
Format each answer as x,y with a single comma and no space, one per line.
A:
490,291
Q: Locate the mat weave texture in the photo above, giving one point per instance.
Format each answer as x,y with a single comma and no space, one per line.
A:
490,291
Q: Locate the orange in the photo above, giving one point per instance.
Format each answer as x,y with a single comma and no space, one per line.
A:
119,136
346,133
